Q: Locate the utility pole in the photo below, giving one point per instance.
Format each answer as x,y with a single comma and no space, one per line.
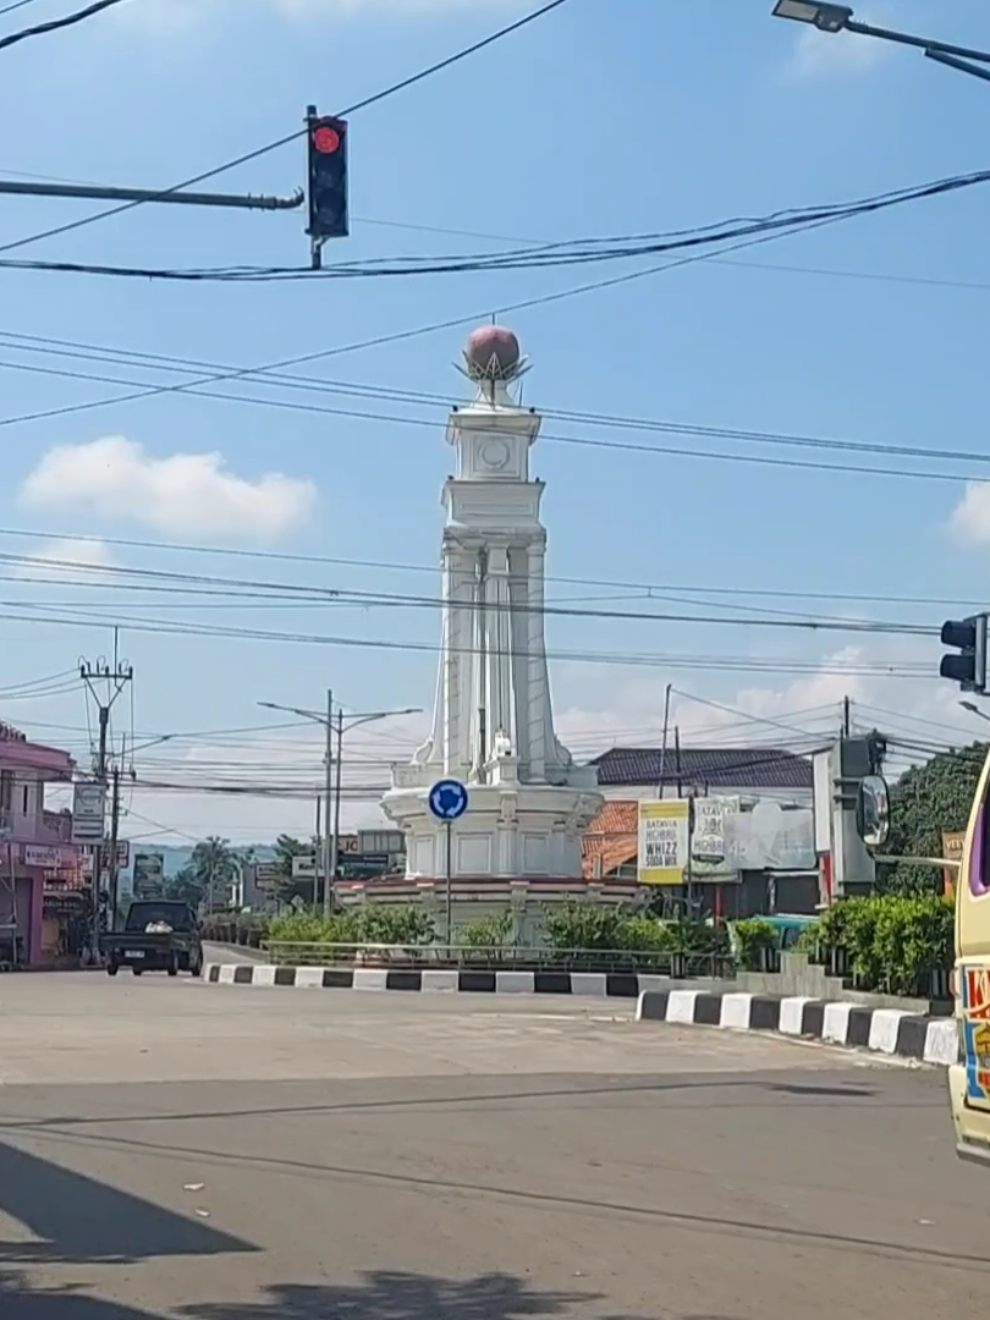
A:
329,847
335,850
846,717
663,745
114,868
112,679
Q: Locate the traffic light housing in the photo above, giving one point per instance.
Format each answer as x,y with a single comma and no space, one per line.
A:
327,177
968,637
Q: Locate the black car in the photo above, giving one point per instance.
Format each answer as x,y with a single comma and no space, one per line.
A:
158,936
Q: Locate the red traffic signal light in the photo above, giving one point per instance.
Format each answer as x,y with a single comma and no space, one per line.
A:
326,140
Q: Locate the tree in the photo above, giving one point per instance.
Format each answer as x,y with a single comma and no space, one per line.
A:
212,869
185,888
926,800
286,849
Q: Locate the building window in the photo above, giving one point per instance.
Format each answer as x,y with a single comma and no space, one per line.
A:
6,790
25,799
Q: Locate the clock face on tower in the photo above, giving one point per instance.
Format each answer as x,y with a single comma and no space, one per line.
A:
494,454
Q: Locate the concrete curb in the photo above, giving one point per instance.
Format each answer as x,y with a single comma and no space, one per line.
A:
440,980
887,1031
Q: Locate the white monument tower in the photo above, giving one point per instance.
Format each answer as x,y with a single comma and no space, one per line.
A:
493,723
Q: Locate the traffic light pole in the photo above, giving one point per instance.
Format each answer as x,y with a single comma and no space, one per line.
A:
315,243
93,192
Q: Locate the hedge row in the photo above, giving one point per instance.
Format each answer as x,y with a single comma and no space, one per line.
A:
890,944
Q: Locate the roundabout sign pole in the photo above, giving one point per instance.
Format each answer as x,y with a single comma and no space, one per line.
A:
448,802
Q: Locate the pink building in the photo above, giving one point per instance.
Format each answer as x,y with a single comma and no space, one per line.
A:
34,843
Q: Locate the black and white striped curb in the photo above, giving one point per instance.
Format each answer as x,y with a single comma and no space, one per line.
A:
886,1030
597,985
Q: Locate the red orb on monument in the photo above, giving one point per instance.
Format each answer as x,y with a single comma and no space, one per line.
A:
492,352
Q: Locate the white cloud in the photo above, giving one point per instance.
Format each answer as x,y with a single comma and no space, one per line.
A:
62,560
970,519
182,494
797,713
834,54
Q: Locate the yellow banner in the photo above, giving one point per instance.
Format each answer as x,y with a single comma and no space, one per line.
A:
663,841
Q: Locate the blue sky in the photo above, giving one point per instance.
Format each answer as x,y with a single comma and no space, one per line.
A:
600,119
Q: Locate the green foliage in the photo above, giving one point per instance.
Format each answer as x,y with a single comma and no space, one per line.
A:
590,928
926,800
494,932
892,942
753,938
208,876
185,888
287,888
393,925
369,925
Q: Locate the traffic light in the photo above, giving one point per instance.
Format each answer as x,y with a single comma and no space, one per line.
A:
969,638
327,139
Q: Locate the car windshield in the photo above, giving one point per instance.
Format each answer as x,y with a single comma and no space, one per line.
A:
176,915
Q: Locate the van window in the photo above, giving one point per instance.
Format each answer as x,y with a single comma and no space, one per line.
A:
980,854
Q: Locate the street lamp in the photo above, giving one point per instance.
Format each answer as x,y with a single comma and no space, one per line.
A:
839,18
974,709
335,723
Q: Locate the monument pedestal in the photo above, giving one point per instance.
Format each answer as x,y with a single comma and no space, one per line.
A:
510,828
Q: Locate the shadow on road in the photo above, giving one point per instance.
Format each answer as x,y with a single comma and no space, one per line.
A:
382,1295
377,1296
77,1219
19,1301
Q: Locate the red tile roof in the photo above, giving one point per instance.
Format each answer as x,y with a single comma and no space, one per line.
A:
611,840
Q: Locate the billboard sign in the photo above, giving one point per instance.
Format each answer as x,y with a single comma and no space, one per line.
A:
663,841
89,806
149,874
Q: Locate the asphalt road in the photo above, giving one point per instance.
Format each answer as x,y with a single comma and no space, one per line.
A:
222,1153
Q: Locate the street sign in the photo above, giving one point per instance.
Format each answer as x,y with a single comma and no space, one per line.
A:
149,874
268,875
89,801
448,799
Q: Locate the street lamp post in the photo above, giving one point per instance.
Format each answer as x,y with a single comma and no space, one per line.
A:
974,709
839,18
335,723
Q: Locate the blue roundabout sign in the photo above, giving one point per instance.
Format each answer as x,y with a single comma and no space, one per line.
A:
448,799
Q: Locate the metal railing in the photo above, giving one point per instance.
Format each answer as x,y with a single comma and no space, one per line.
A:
677,964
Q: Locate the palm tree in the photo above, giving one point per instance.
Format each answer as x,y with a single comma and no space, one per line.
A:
214,865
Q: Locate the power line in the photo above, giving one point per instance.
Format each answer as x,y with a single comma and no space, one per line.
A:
608,584
731,664
55,24
398,336
391,90
551,256
586,442
19,4
882,277
318,595
47,346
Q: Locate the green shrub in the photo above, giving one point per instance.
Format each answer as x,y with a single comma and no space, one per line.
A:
754,938
369,925
494,932
892,942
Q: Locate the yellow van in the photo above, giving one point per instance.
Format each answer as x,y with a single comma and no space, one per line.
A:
969,1079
